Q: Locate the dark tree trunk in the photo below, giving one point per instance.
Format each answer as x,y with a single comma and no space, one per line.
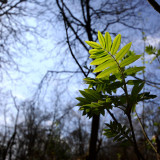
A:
95,120
94,138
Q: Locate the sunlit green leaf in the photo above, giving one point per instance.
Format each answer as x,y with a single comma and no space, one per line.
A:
98,55
123,51
133,70
93,44
104,65
92,105
95,51
100,60
129,60
108,41
101,39
108,100
116,44
107,72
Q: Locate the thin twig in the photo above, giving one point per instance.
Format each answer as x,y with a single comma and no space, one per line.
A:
144,133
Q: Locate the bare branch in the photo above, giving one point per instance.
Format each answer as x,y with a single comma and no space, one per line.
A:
155,5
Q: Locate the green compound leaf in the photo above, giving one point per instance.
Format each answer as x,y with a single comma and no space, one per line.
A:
111,64
129,60
101,39
98,55
104,84
108,100
96,51
120,55
100,60
91,103
93,93
88,96
107,72
135,91
150,49
93,44
105,65
133,70
108,41
116,44
82,101
118,132
145,96
134,82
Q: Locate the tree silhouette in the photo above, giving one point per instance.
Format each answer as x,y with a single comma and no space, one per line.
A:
82,19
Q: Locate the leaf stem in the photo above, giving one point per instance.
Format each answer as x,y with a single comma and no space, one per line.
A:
123,77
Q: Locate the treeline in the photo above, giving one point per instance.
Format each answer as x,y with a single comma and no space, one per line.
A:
36,135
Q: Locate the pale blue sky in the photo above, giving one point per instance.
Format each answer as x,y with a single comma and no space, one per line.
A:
45,55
